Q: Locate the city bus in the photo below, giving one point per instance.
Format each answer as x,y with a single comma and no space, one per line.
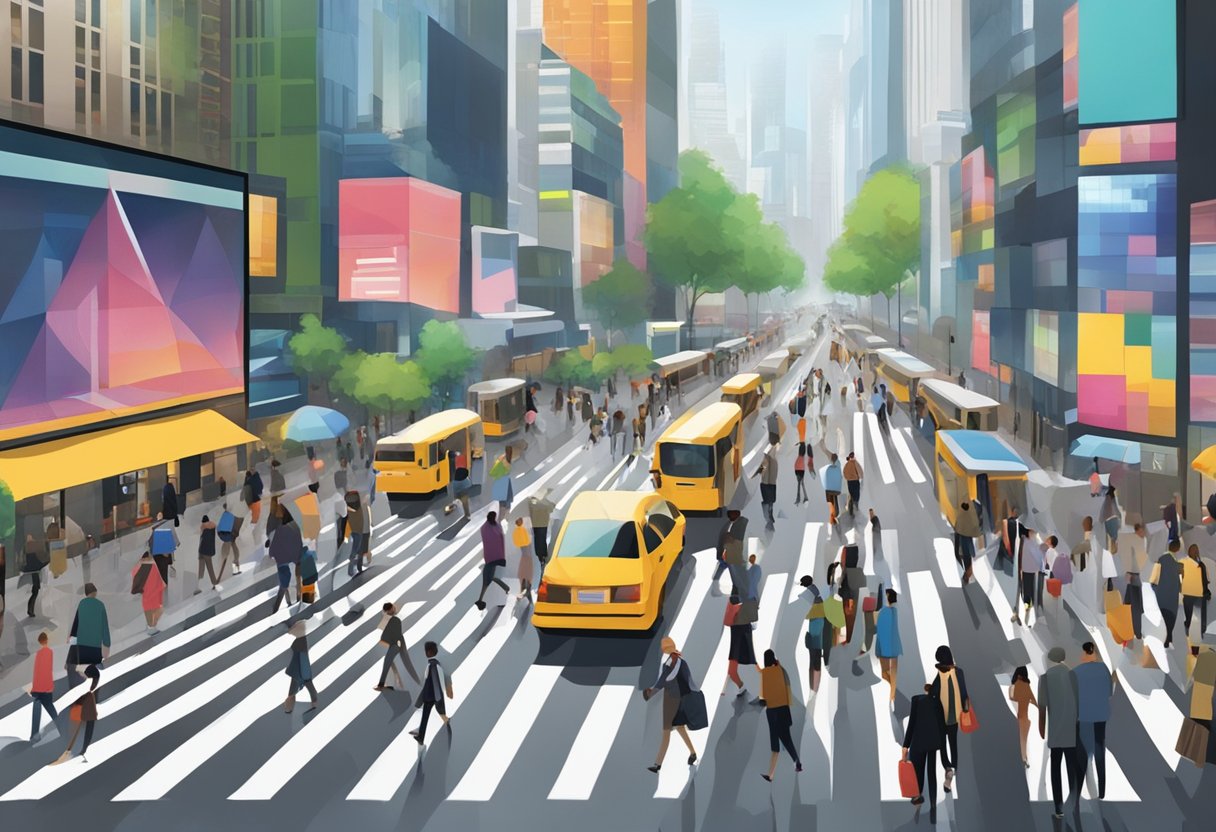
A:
774,365
744,390
957,408
977,464
500,403
699,459
421,460
902,373
675,371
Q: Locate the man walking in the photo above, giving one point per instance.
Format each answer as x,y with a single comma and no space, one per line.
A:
852,479
1058,707
1167,586
393,639
438,684
966,529
768,484
1094,689
540,512
43,688
493,553
832,480
616,433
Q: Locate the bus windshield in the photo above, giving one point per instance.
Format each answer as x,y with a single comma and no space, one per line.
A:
397,453
677,460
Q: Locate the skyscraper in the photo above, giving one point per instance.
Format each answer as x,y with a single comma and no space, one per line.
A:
708,115
826,147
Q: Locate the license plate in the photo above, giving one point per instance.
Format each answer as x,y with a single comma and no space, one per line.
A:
592,596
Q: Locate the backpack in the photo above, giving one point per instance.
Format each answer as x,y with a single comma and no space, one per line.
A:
162,541
814,634
308,567
226,529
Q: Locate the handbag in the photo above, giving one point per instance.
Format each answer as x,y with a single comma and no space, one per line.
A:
1192,741
76,713
967,721
1055,587
908,785
500,469
141,578
748,613
692,709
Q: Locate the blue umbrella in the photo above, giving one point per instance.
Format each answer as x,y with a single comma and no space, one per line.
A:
312,424
1116,450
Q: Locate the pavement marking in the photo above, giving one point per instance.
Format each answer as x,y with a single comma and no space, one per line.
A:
483,775
947,566
613,474
464,628
859,438
675,776
1160,716
806,557
386,775
591,747
571,474
573,490
704,563
984,576
890,553
770,611
890,750
880,449
822,717
899,438
927,615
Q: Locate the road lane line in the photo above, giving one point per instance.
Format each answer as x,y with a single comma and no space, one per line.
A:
806,557
571,474
859,439
890,553
927,614
483,775
770,611
561,504
900,441
890,750
880,449
947,566
593,744
703,565
465,627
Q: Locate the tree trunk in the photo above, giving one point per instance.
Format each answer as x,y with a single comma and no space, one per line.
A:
692,308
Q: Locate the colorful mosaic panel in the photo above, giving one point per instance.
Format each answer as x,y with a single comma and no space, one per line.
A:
1071,64
1129,144
981,341
1016,120
263,236
974,204
1203,312
1128,60
1045,338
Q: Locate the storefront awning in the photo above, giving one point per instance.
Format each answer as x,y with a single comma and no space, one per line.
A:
63,463
1104,447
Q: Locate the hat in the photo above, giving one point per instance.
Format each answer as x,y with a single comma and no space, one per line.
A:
669,645
1056,655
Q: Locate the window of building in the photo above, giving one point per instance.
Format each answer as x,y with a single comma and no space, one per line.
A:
1051,263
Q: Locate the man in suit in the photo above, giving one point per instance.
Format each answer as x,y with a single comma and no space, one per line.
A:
438,684
924,738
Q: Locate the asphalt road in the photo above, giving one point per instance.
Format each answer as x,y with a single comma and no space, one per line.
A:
552,732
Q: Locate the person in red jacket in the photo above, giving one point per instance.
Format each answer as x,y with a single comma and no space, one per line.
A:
43,688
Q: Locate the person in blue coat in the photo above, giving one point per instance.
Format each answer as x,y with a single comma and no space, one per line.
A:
833,481
299,668
888,647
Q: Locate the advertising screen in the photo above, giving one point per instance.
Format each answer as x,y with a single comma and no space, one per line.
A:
495,262
122,287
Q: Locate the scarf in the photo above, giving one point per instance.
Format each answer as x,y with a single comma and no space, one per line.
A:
950,688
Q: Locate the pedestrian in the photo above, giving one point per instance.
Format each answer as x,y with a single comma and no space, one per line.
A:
90,633
392,638
341,477
616,432
852,582
966,530
1095,686
768,484
816,628
1030,559
924,738
775,692
1022,694
278,484
206,553
1133,555
168,503
776,427
162,544
1058,706
1095,481
299,668
146,582
358,522
493,553
350,456
285,545
1084,549
741,649
251,494
800,465
559,397
675,679
228,530
888,646
31,571
1009,538
833,613
1059,566
1196,591
731,544
832,480
878,405
524,543
1111,520
755,574
83,712
503,489
802,430
1171,514
1167,586
42,689
435,688
540,513
1203,688
950,687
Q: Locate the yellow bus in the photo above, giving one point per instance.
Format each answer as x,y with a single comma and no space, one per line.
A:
978,465
500,403
957,408
902,373
744,390
699,458
421,460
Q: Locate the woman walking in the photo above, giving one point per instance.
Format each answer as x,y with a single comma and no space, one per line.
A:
1110,519
503,489
299,668
676,680
84,712
206,553
889,647
950,688
800,466
1022,693
775,691
741,649
147,582
524,543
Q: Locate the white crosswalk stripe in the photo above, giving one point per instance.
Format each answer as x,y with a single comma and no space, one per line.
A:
901,439
859,438
889,748
590,749
947,566
930,621
880,449
806,557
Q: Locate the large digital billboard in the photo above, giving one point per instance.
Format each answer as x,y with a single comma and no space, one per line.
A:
122,285
495,266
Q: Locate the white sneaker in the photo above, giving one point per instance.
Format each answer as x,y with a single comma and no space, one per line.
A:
218,587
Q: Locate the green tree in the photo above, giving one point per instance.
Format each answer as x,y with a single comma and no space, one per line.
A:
619,298
572,369
316,351
880,246
385,383
445,357
694,234
633,360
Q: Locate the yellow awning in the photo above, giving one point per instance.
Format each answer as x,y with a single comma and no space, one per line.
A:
1205,463
63,463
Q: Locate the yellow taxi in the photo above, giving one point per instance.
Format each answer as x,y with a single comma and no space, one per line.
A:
610,563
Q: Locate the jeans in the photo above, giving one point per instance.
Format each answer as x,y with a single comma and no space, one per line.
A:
854,487
721,567
296,684
284,571
395,650
35,587
427,707
42,700
540,536
779,723
925,763
1170,617
356,553
1093,745
1069,757
489,576
1189,605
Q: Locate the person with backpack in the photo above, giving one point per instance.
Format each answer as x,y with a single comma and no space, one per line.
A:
227,530
146,582
162,544
775,693
924,737
833,480
833,612
83,712
888,645
675,680
436,685
168,504
206,553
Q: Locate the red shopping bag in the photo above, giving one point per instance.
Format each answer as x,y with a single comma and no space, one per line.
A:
907,780
967,721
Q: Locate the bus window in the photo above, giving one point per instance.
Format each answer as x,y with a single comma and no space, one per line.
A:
403,453
677,460
723,446
955,489
434,456
973,422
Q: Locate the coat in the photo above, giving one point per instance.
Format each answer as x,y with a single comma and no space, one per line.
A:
926,730
832,477
503,489
888,644
298,665
967,523
153,594
286,544
91,627
493,543
539,512
1058,706
168,502
278,484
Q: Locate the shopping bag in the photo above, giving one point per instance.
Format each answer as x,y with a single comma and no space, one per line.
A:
76,713
224,528
1192,741
968,721
1113,599
907,780
1119,622
162,541
500,469
59,558
692,709
1054,587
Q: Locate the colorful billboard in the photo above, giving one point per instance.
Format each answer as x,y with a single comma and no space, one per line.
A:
263,236
399,241
495,269
122,285
1203,312
1128,60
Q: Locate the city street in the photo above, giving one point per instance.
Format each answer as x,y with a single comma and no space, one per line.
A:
551,731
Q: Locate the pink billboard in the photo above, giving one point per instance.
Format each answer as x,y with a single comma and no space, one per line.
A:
399,241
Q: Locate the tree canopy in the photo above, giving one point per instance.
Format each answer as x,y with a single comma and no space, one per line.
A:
445,357
880,246
620,297
316,350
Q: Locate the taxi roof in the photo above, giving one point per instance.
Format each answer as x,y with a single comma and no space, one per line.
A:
607,505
